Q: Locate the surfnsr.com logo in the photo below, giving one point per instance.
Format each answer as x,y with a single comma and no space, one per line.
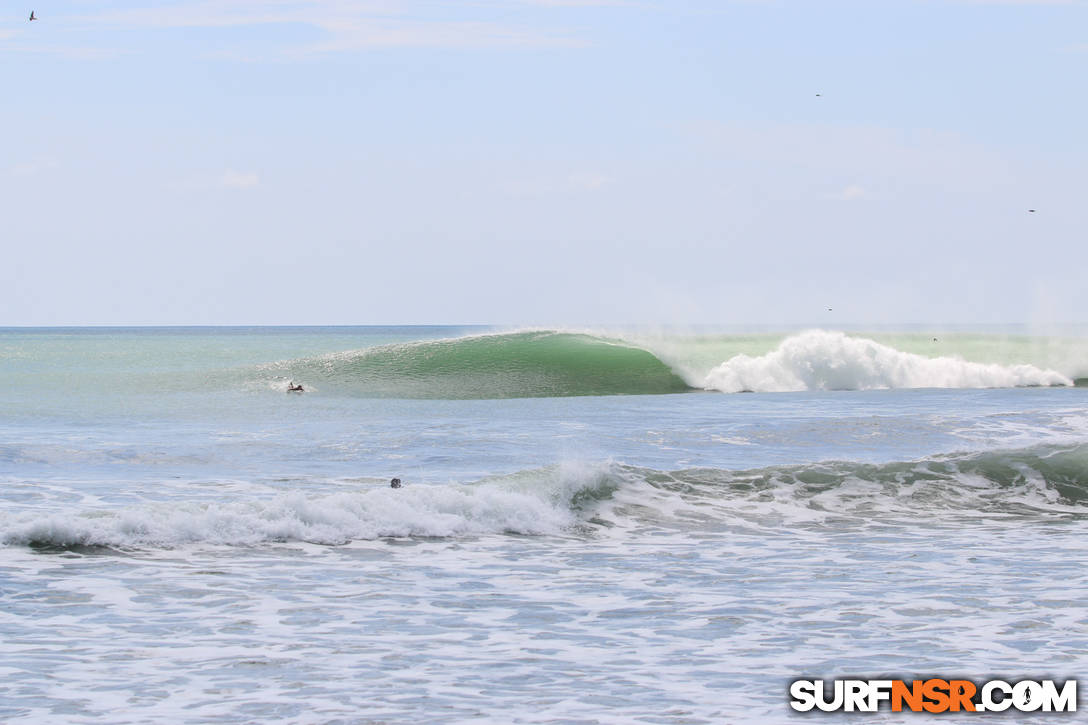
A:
933,695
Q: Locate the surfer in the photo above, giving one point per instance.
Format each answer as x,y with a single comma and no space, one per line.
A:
32,15
292,388
395,483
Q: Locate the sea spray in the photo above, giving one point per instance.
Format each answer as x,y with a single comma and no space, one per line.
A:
822,360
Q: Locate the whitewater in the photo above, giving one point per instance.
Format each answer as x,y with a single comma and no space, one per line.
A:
596,524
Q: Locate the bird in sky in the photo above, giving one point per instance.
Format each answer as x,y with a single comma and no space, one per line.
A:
32,15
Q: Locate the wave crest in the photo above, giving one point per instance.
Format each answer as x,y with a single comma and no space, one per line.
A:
508,365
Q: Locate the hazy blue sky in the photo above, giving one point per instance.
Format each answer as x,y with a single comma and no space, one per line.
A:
544,161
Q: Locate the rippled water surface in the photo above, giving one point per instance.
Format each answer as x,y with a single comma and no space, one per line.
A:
182,541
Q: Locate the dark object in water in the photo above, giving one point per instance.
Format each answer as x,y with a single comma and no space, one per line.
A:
292,388
32,15
395,483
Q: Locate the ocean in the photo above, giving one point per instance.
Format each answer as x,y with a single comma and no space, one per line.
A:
595,525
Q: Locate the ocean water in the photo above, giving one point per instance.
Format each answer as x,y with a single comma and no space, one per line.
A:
596,526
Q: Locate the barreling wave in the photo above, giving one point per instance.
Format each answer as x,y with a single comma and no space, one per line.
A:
550,363
1040,483
512,365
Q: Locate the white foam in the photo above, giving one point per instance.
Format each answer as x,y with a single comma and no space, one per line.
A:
823,360
540,504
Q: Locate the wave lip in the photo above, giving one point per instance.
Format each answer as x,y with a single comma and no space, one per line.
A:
824,360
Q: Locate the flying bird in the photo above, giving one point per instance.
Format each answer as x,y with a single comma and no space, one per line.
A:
32,15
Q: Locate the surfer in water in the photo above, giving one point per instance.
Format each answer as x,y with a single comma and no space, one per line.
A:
395,483
292,388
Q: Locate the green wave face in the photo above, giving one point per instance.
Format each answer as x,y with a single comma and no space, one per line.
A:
515,365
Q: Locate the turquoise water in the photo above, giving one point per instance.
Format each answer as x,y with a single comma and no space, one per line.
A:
596,525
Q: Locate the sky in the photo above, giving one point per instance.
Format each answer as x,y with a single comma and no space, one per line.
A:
544,162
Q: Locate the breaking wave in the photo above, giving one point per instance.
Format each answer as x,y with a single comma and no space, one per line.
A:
1045,482
552,363
512,365
820,360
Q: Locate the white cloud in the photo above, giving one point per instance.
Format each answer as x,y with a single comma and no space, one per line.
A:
851,193
34,167
65,51
346,25
368,33
239,179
